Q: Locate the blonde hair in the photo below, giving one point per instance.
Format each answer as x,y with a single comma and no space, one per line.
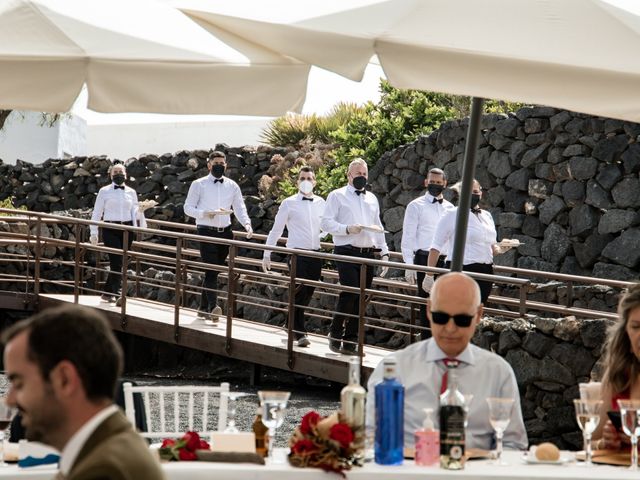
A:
622,366
357,161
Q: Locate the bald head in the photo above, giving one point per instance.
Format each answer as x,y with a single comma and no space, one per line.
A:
456,284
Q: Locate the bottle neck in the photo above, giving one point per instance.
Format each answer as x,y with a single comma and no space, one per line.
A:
389,372
452,380
354,372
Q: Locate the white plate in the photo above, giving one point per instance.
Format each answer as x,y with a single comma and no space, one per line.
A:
531,459
373,228
223,211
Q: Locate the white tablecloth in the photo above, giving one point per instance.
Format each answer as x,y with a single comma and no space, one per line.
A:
477,469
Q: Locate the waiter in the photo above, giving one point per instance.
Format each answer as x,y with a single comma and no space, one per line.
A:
352,217
300,213
420,220
116,203
210,201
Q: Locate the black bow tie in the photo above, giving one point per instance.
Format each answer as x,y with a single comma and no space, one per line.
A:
476,210
437,200
218,180
116,187
360,192
307,198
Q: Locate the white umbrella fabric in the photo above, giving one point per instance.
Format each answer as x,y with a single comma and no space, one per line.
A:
136,56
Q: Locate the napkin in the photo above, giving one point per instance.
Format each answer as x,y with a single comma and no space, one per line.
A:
32,454
608,457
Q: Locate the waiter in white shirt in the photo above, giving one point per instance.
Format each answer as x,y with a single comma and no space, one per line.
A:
420,220
116,203
210,201
352,217
300,213
481,244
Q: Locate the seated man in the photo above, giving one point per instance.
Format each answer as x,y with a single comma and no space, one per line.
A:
63,364
480,373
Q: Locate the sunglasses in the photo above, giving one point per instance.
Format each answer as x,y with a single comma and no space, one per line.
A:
461,320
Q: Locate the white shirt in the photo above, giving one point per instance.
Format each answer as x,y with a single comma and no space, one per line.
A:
205,194
345,207
117,205
302,219
481,373
420,221
481,235
77,441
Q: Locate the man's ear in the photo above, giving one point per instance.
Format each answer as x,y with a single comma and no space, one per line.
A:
479,313
429,310
65,379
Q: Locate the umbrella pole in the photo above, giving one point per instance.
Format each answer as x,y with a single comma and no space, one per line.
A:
468,170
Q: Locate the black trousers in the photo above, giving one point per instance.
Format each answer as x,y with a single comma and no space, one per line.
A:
215,254
115,239
485,286
311,269
343,327
420,258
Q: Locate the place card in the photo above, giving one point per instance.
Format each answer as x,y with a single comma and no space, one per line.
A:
233,442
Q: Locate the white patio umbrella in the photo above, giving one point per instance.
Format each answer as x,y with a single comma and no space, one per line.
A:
579,55
136,56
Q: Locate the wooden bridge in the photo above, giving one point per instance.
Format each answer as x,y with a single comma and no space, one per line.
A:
37,249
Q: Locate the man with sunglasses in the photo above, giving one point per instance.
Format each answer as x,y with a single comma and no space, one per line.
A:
454,310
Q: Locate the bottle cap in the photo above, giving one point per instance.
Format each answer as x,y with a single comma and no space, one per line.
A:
389,367
428,423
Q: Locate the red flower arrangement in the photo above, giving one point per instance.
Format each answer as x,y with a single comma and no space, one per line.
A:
329,443
184,448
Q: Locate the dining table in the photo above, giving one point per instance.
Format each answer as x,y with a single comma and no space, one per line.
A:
518,468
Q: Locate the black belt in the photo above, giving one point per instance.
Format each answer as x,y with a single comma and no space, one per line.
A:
360,249
128,222
214,229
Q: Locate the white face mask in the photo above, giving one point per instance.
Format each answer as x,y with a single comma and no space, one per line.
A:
306,187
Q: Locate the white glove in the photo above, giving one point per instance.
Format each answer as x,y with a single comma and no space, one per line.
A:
410,277
209,213
266,264
94,240
384,270
354,229
427,283
249,230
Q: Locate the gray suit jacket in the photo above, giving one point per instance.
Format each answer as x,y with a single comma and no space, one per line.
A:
115,452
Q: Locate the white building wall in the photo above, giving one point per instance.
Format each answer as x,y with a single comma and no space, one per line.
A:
24,137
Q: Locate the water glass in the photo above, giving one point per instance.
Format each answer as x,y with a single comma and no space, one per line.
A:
273,405
499,416
588,417
231,411
6,415
629,410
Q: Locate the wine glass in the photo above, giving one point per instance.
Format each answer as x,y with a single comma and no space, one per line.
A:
231,410
499,416
629,410
273,406
468,398
6,415
588,416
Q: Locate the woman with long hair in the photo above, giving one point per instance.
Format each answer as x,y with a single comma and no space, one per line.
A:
621,378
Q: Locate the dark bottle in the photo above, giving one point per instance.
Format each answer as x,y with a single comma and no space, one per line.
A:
262,435
389,397
452,415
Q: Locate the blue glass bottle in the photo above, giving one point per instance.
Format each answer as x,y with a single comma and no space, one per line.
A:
389,444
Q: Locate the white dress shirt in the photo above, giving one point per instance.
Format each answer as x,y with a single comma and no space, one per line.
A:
481,373
481,235
420,221
302,219
345,207
77,441
117,205
205,194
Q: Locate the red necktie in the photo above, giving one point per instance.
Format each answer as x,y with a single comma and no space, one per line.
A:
445,375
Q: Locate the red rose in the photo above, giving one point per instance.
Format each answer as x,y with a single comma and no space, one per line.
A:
168,442
192,440
342,433
185,454
204,445
308,421
304,447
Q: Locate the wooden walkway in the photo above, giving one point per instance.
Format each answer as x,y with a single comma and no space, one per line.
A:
250,341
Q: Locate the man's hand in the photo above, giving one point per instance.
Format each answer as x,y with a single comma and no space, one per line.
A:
384,270
266,264
427,283
249,230
410,277
94,240
354,229
210,214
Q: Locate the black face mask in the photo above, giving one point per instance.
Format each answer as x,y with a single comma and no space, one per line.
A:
434,189
359,182
118,179
475,200
217,170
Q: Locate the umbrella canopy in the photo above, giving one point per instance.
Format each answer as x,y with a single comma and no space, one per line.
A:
136,56
575,54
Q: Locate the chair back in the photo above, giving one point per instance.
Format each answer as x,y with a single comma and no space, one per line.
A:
172,410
